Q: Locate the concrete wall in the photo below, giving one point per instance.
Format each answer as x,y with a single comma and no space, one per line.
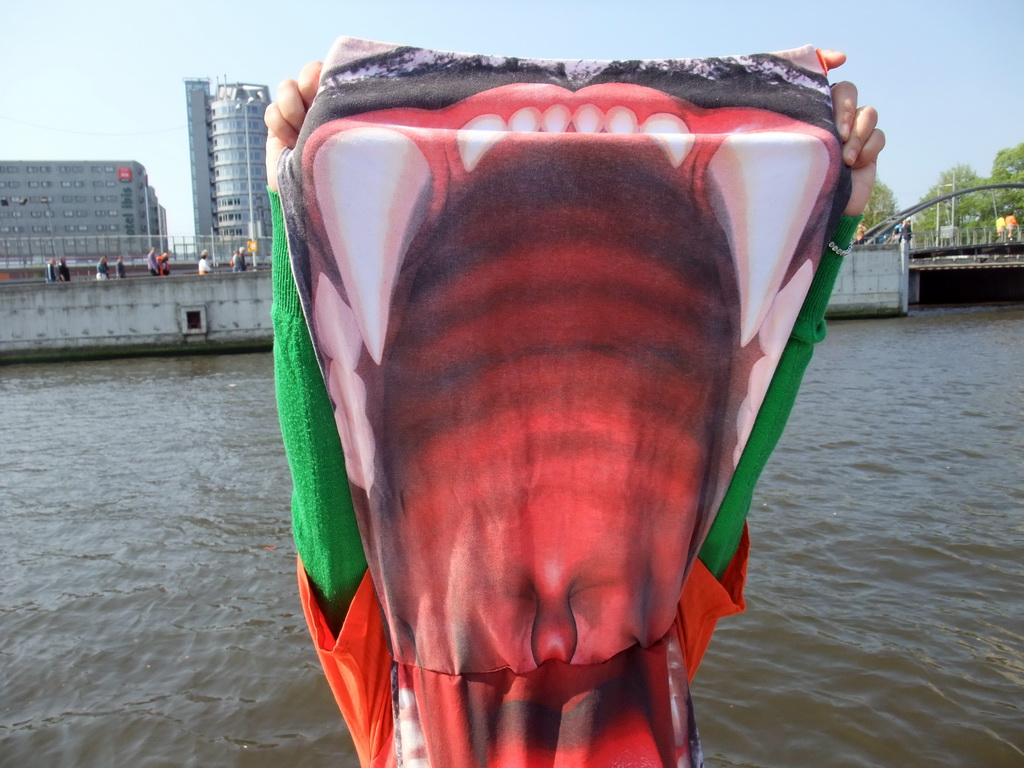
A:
231,311
872,283
144,315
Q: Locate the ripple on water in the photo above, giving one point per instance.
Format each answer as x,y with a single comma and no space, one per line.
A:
143,622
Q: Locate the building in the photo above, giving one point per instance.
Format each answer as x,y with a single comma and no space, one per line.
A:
227,143
50,199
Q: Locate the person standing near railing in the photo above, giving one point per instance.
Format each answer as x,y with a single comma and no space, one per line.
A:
51,271
1000,228
1011,226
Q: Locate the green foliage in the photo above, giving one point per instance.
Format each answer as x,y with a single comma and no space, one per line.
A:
978,209
1008,167
881,204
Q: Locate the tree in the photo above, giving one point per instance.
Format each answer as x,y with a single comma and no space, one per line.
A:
1008,167
963,211
881,204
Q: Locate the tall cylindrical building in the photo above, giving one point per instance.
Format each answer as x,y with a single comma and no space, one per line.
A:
227,138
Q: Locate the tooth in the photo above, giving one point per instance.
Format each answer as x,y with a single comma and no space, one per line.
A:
757,385
767,185
526,120
621,120
588,119
557,118
339,339
671,134
477,137
372,187
774,333
778,325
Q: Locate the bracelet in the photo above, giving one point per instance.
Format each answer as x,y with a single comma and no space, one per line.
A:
839,251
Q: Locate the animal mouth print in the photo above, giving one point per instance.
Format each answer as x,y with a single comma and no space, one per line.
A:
547,315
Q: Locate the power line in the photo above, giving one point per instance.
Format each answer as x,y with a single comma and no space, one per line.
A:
92,133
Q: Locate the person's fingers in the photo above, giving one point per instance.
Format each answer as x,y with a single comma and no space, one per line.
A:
844,107
869,152
832,58
864,124
278,127
309,82
290,105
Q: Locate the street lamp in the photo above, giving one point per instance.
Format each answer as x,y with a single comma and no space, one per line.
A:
51,224
248,158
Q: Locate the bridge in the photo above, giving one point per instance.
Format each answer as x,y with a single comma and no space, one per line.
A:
958,265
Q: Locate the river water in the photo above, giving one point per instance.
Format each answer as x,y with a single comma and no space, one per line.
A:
148,611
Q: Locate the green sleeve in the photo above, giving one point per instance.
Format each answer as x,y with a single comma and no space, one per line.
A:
724,537
326,534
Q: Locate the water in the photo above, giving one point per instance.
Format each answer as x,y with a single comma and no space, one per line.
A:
148,614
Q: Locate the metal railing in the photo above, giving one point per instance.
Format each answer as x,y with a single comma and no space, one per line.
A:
35,251
951,237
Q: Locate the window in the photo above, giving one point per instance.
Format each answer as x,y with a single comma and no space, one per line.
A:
69,214
111,184
13,184
68,199
79,183
113,227
5,229
64,168
109,169
69,228
3,183
97,183
79,198
33,184
31,169
96,169
81,214
83,228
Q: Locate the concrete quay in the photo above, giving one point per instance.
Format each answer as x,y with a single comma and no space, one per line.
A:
230,312
85,319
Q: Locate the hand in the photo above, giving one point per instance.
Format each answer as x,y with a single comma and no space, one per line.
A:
284,117
862,141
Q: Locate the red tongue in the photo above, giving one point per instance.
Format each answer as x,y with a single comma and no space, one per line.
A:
555,366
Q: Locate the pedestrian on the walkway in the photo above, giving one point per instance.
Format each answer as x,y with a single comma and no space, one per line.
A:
102,271
119,268
63,272
51,271
1011,227
204,263
152,263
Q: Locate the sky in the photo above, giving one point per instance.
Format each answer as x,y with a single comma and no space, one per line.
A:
104,81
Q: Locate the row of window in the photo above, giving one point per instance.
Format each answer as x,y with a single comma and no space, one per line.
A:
225,110
47,214
225,126
66,184
60,169
47,228
238,140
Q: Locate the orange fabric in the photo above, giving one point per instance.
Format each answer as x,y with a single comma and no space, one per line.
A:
357,663
705,600
358,668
